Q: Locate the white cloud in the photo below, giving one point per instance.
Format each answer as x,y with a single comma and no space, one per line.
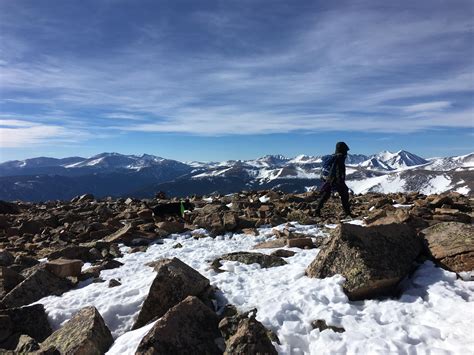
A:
21,134
335,72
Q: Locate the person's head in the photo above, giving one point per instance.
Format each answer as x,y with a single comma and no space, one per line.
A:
342,148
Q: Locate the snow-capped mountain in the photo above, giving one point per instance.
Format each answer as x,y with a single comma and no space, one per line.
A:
123,175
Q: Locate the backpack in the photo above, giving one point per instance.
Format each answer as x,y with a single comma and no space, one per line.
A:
327,167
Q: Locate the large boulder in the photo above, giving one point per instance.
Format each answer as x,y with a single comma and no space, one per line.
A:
174,281
30,320
39,284
372,259
85,333
190,327
72,252
451,244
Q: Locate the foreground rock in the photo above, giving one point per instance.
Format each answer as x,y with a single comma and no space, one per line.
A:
40,284
174,281
246,335
84,333
451,244
372,259
190,327
244,257
30,320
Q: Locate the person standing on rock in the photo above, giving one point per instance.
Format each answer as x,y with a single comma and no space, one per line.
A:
334,178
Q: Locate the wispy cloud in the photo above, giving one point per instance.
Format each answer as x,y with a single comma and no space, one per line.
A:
358,69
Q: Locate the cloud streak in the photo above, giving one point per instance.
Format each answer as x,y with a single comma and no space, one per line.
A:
367,69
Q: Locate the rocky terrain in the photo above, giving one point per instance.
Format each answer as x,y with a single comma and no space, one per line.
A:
51,248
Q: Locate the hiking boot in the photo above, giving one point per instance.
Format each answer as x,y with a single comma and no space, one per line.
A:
347,215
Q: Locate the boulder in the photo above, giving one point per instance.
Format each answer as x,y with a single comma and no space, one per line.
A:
84,198
124,234
190,327
303,243
246,335
85,333
244,257
451,244
31,227
8,280
29,320
65,267
171,227
372,259
174,281
39,284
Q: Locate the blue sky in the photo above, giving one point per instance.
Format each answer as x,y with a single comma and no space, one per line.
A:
215,80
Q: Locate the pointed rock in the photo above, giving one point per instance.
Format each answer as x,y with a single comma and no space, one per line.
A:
190,327
85,333
174,281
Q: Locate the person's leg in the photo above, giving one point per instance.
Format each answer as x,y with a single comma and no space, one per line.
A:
343,191
325,194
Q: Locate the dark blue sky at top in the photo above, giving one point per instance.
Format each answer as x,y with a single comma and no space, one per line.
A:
215,80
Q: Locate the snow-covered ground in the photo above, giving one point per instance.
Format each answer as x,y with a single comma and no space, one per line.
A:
434,315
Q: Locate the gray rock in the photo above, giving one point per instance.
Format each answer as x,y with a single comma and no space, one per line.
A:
26,344
85,333
190,327
372,259
174,281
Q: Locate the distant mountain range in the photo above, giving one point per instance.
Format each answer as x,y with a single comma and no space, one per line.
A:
113,174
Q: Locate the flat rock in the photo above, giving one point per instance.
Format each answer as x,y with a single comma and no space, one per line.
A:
451,244
190,327
300,243
65,267
372,259
174,281
85,333
39,284
244,257
275,243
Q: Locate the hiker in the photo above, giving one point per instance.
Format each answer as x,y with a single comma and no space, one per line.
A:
333,175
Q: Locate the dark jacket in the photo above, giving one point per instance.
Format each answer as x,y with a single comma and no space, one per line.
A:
339,167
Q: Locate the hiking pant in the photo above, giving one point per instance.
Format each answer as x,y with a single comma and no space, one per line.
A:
343,191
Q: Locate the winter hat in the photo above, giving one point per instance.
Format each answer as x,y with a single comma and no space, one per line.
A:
342,148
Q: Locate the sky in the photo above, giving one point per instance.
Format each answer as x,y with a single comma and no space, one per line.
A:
216,80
